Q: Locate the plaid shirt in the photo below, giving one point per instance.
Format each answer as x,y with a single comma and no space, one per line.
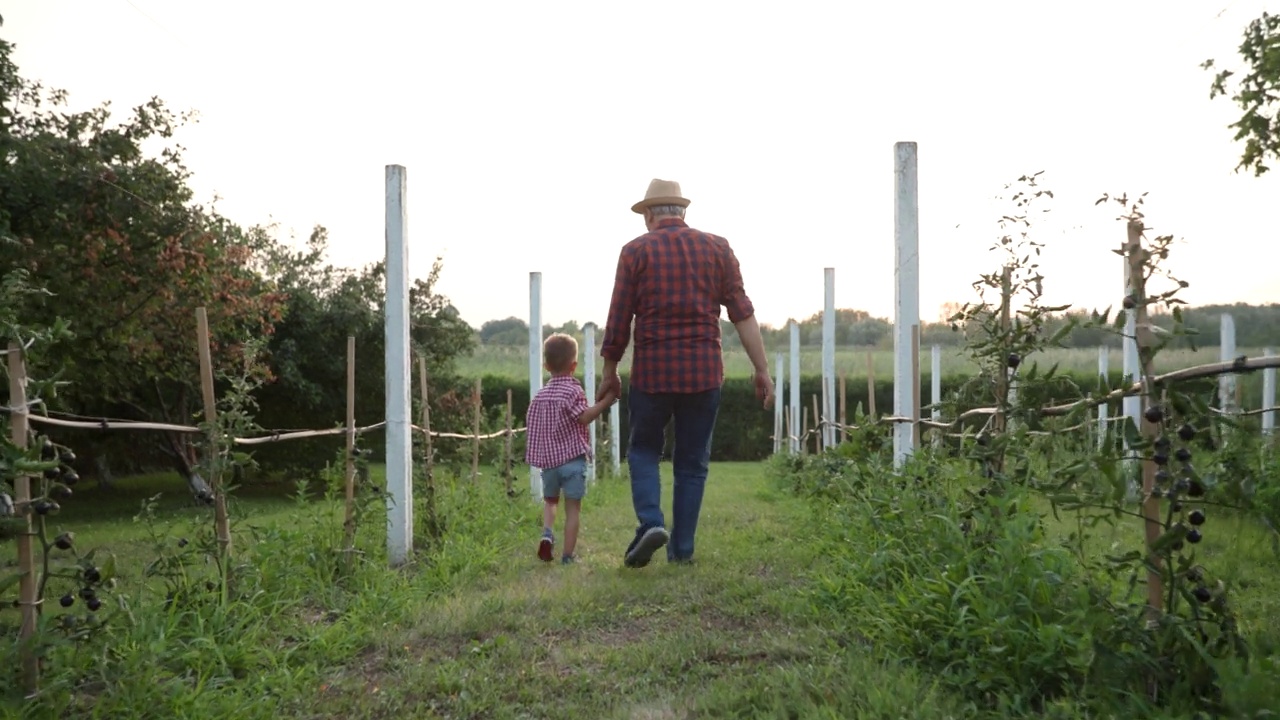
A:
553,434
673,281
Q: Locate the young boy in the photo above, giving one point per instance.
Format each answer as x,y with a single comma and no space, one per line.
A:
557,442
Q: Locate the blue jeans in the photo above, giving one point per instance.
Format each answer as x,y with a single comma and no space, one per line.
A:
695,420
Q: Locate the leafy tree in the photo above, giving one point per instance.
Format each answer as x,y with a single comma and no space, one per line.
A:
1256,92
112,233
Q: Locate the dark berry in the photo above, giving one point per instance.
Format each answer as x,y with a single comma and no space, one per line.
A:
1162,443
93,603
1182,454
1160,458
1186,432
92,575
67,600
1014,360
1196,517
1194,536
67,457
1195,489
1154,414
1177,507
984,440
1162,476
62,492
52,473
1202,594
70,477
1129,302
182,542
63,541
47,450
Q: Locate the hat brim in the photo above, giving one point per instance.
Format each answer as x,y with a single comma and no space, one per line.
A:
648,202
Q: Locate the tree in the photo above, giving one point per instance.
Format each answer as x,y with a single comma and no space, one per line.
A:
1257,93
113,235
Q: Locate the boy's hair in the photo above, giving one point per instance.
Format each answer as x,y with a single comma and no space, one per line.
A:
559,352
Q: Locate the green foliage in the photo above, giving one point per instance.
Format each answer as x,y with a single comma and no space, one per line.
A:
1256,93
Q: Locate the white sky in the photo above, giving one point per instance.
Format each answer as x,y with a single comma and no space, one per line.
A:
528,130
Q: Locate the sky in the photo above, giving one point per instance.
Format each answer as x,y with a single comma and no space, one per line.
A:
529,129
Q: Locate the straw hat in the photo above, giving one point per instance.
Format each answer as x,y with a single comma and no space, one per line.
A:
661,192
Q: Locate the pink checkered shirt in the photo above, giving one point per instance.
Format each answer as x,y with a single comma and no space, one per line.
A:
553,434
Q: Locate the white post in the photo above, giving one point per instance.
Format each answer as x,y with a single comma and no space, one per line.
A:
615,437
535,363
1104,357
589,331
1269,396
1132,404
795,386
935,383
906,297
779,427
829,356
399,443
1227,348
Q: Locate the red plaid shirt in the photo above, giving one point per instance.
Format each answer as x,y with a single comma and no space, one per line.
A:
553,434
673,281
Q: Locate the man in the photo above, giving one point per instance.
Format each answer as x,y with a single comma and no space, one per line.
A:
673,281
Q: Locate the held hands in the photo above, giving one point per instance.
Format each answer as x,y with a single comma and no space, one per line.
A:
610,388
764,388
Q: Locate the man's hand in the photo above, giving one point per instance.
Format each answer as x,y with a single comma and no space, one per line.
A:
764,388
610,383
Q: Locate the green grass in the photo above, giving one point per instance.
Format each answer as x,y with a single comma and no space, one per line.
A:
477,627
508,361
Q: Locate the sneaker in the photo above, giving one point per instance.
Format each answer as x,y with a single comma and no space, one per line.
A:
568,560
546,547
645,546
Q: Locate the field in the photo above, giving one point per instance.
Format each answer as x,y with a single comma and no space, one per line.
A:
508,361
778,617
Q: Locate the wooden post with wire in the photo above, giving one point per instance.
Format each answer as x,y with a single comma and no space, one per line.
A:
871,386
506,450
349,471
221,524
1145,341
475,430
18,428
817,426
844,418
428,449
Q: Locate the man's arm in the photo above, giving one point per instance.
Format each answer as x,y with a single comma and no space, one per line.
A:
733,295
617,329
753,342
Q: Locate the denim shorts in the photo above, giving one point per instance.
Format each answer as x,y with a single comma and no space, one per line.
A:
570,478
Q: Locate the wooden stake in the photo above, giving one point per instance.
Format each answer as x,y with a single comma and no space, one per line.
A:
349,525
915,385
1150,503
844,399
871,387
428,450
817,426
221,524
790,426
22,500
475,430
506,449
804,431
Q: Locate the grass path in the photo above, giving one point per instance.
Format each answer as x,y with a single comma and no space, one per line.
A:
730,636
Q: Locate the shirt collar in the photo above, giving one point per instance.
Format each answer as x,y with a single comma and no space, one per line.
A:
672,222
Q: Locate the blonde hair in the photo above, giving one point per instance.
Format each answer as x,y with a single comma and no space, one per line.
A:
559,352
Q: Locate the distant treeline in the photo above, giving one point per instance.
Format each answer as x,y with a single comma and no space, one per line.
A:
1256,326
